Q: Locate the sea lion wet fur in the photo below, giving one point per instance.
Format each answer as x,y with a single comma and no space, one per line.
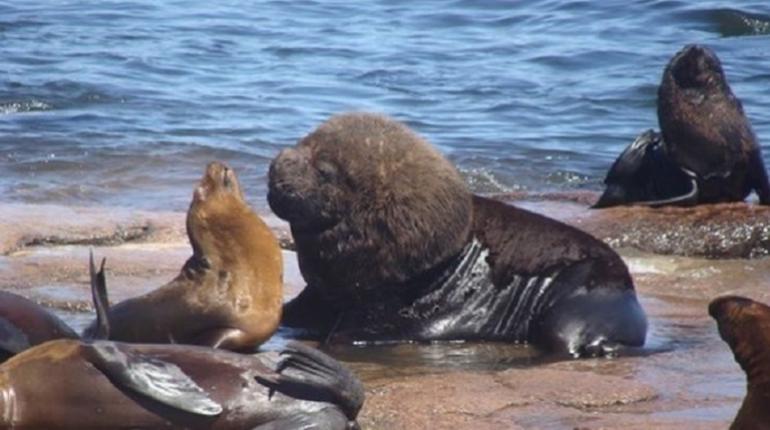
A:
394,247
371,222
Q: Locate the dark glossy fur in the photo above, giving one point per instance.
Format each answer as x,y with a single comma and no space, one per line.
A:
745,325
488,271
704,131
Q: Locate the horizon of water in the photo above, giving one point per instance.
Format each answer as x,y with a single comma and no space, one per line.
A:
122,103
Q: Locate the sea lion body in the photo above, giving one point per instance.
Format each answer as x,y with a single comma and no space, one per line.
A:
706,152
745,325
395,248
228,294
70,384
24,324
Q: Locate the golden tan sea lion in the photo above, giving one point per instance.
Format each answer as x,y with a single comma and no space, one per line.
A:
228,294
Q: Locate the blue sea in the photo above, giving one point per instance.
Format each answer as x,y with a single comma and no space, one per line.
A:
122,103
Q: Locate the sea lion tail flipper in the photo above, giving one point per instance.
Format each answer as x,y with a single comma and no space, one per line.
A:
101,301
623,176
645,175
330,418
153,378
309,374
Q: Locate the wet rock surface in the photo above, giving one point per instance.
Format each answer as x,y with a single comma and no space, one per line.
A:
685,377
726,230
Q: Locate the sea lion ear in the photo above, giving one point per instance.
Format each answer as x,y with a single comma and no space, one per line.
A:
101,302
156,379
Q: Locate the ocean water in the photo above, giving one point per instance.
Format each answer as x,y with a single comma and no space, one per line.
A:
121,103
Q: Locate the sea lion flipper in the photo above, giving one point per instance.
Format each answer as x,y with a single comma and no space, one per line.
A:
308,373
101,301
155,379
623,177
644,174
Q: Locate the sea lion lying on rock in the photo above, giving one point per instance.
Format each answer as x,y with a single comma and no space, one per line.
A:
394,247
24,324
97,384
706,151
745,325
229,293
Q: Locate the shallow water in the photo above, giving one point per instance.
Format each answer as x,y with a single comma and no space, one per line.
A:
122,103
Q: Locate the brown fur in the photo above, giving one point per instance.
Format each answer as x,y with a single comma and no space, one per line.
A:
229,293
745,326
705,129
365,196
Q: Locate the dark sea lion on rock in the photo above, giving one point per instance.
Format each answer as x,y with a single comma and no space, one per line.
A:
394,247
706,152
745,325
229,293
24,324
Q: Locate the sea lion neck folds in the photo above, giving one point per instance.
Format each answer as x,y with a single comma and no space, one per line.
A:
229,293
413,256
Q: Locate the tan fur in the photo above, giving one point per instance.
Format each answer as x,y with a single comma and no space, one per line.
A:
233,280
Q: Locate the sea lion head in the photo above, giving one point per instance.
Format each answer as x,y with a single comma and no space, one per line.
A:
702,122
370,203
697,67
745,325
218,213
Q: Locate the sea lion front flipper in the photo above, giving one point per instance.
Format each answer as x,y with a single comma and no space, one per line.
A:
309,374
155,379
223,338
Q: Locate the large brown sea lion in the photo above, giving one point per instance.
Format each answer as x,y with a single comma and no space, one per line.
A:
96,384
229,293
394,247
706,152
24,324
745,325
